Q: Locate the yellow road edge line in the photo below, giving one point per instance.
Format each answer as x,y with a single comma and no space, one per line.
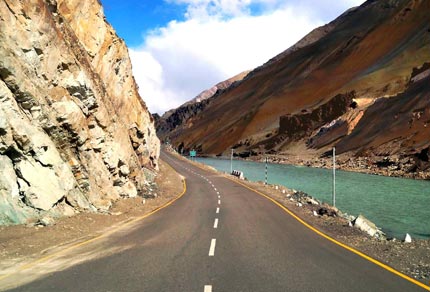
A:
347,247
127,223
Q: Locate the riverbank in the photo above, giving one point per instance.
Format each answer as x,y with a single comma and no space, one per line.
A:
412,259
392,166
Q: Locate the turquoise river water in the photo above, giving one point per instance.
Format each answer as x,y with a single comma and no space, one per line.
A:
396,205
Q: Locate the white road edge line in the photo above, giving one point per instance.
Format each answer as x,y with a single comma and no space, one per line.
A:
212,247
216,223
208,288
217,210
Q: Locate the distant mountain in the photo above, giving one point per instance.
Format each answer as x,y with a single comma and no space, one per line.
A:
176,117
359,83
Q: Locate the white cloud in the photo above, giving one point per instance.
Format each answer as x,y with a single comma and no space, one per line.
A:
218,39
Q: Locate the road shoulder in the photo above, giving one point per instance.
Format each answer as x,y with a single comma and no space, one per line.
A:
411,259
21,244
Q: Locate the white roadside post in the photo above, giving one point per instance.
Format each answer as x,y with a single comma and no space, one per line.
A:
334,176
231,161
265,179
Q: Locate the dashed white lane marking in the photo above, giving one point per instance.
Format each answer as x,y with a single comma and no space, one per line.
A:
208,288
212,247
219,197
217,193
219,202
215,189
216,223
217,210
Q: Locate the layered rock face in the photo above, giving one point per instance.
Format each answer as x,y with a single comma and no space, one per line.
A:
74,132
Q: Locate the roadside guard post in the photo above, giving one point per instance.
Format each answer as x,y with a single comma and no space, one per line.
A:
193,154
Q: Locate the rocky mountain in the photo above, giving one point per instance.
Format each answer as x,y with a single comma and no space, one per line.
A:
223,85
359,83
176,117
74,133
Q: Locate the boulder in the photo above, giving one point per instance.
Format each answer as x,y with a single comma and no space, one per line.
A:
328,211
368,227
128,190
46,221
312,201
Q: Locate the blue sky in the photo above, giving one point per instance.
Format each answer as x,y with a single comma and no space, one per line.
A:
179,48
132,19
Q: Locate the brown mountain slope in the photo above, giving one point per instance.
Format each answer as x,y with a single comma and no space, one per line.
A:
176,117
402,128
367,53
208,93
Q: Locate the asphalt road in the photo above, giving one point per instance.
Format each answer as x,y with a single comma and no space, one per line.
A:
219,236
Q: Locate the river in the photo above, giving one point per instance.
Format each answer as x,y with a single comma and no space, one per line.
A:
396,205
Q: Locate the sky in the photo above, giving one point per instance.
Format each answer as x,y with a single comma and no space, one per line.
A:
179,48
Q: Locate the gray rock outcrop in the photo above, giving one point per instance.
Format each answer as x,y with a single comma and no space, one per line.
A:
74,132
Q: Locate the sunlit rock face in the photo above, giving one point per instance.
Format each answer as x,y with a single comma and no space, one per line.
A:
74,133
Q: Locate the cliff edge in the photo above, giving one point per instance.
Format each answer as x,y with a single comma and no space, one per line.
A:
74,133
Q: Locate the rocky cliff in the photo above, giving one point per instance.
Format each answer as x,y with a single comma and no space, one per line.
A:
291,106
74,132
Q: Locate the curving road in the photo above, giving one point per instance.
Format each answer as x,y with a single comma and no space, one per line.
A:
219,236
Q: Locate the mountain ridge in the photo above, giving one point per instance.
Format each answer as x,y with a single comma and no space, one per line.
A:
175,117
371,50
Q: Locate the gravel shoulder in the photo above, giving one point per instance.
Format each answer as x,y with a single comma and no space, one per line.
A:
412,259
21,244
